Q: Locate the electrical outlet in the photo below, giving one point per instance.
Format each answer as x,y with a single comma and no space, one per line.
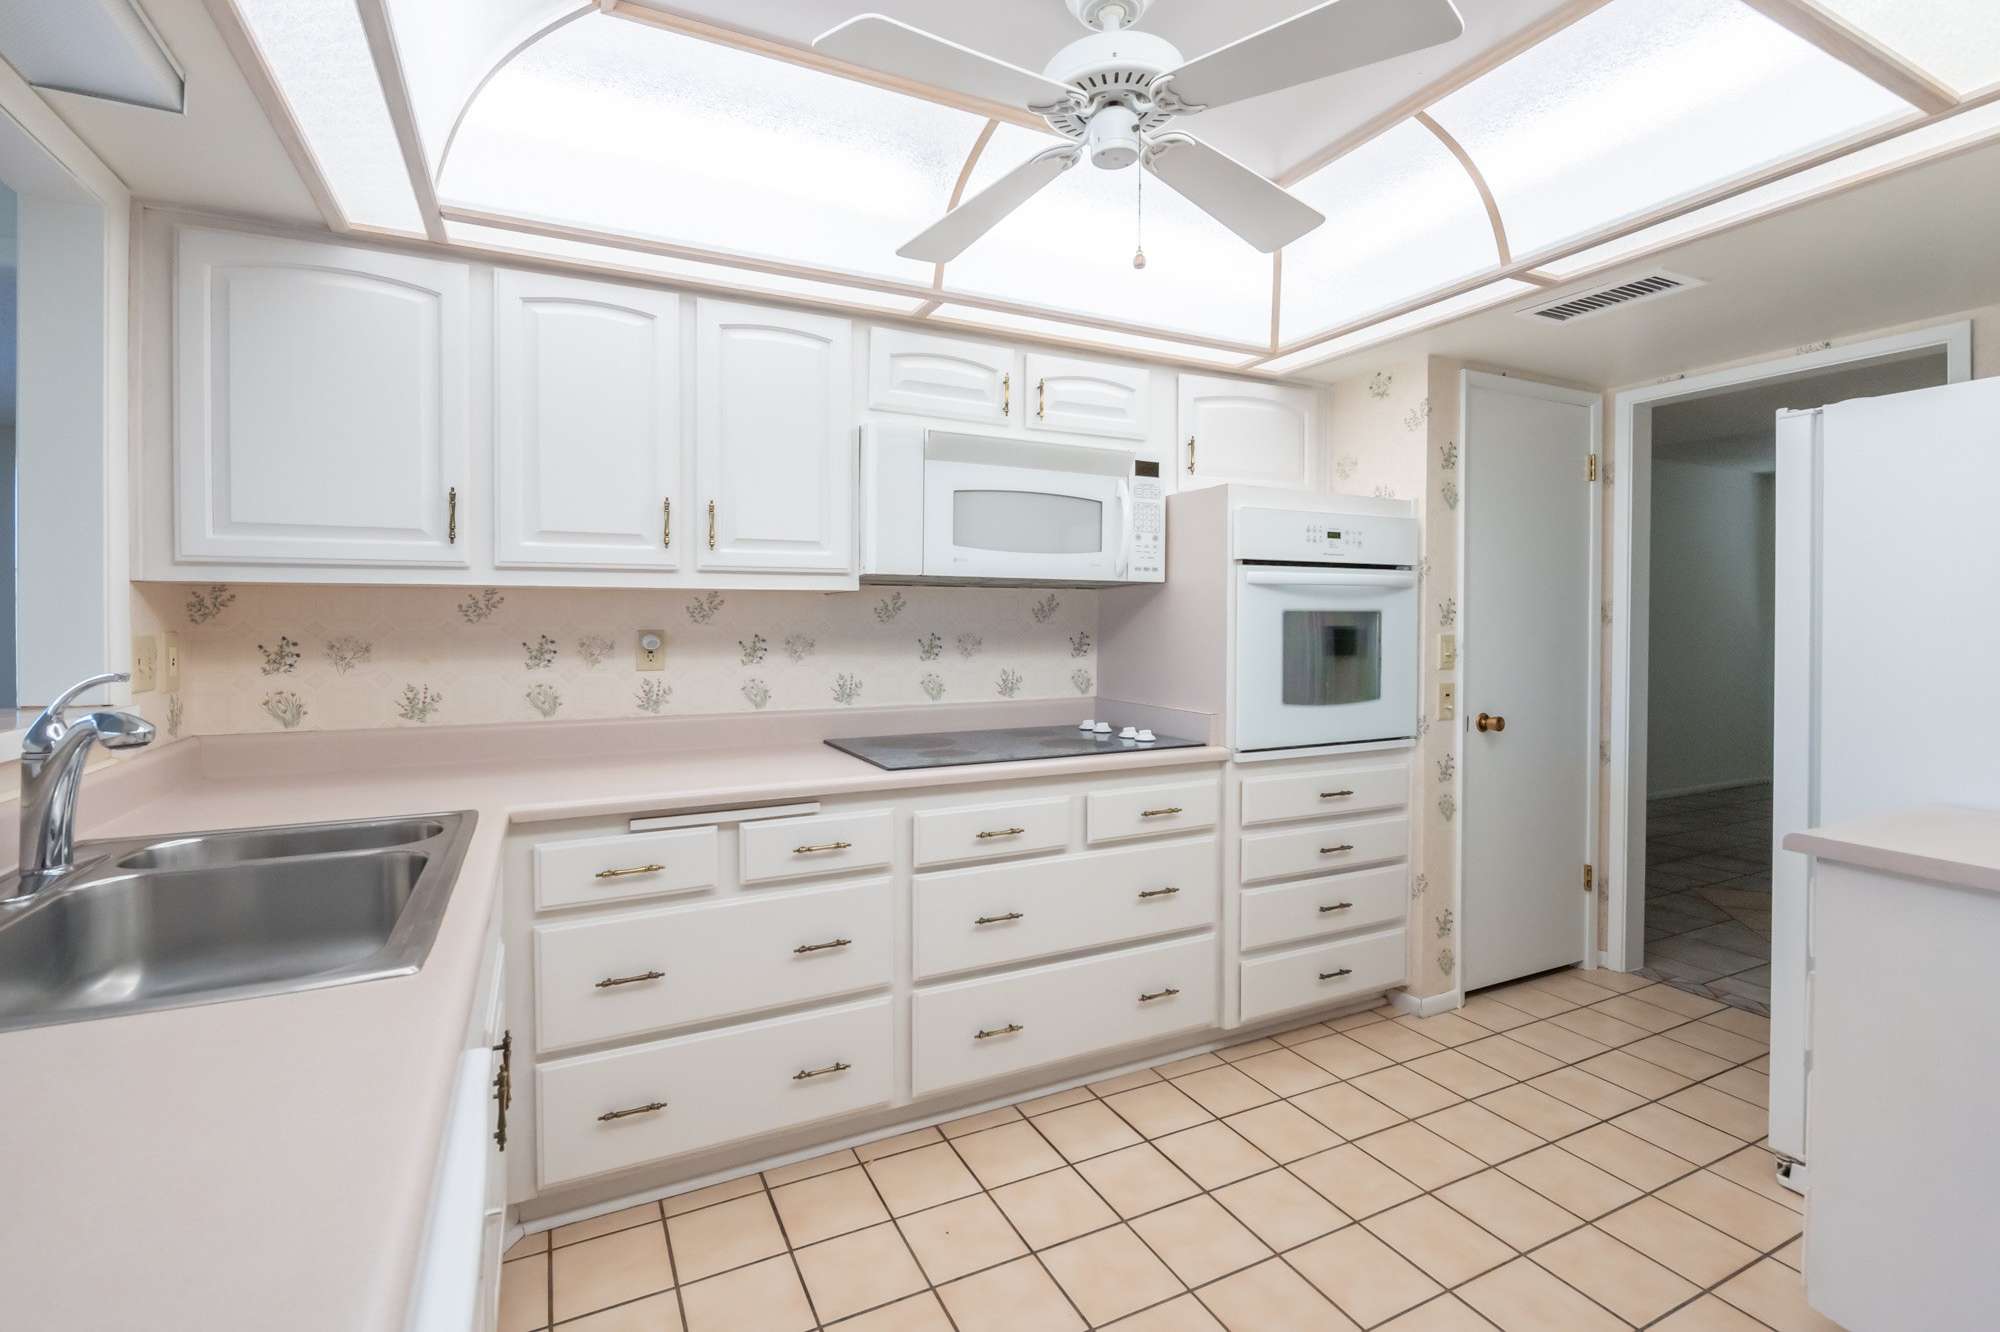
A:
170,663
1447,652
652,650
145,663
1447,701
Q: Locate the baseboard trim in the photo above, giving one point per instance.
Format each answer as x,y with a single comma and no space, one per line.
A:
1428,1006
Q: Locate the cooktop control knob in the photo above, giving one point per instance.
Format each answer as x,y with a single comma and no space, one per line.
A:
1086,725
1146,737
1102,728
1129,733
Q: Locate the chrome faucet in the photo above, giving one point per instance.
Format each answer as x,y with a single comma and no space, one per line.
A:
52,754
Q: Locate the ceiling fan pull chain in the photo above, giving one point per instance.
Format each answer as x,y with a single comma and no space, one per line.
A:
1139,222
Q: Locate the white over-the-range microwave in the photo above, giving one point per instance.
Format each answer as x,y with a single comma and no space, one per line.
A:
946,506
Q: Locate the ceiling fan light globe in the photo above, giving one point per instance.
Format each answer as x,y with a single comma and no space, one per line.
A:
1112,138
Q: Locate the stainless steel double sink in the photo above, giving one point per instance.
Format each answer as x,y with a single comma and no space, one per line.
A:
149,923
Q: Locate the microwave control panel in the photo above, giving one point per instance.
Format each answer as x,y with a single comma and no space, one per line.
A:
1149,525
1303,536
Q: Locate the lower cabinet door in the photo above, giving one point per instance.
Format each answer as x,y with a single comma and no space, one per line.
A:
603,1112
1323,974
981,1029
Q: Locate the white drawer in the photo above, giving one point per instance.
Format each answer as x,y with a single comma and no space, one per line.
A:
1151,811
1323,792
816,844
614,976
1363,900
1322,974
1060,1011
603,1112
995,914
1323,847
619,869
987,832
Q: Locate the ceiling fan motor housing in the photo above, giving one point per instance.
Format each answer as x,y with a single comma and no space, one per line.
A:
1113,74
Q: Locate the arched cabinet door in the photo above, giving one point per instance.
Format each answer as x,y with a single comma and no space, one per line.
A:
321,405
1238,430
774,440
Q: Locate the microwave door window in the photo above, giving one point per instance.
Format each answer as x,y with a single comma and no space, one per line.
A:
1332,657
1026,522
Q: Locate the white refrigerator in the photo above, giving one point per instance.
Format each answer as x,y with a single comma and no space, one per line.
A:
1888,637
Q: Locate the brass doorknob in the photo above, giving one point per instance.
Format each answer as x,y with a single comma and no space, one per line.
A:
1486,721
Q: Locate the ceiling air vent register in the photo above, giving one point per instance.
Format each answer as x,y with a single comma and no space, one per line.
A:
1648,288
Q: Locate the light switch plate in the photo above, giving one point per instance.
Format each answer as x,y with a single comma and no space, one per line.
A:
653,657
170,663
145,663
1447,701
1447,652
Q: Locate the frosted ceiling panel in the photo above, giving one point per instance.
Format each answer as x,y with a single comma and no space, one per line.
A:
1647,101
615,125
1438,312
319,59
1956,41
1402,218
983,320
1070,248
448,46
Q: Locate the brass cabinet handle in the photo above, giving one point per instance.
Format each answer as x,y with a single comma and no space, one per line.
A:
1000,832
1330,850
667,523
451,517
1041,400
629,870
711,524
1487,721
1007,394
503,1088
646,1109
822,947
835,1067
1160,813
1190,455
610,981
1145,893
1337,906
1335,795
1167,993
811,848
1336,975
995,920
1007,1030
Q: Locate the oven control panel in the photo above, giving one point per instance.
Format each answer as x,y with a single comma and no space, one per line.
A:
1303,536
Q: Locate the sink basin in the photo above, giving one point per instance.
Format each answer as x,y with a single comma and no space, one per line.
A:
164,923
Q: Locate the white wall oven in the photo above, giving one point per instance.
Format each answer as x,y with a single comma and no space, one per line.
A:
1326,633
951,507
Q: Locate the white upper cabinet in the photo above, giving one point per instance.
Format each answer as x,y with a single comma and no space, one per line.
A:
927,375
321,405
586,423
1239,430
1081,397
774,439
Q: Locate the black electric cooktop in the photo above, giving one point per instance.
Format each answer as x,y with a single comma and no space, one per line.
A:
947,749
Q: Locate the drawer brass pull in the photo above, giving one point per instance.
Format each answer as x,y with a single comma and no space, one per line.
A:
711,524
1167,993
1159,813
1145,893
1041,399
1337,906
822,947
835,1067
1334,795
1336,975
451,517
1007,1030
503,1087
1190,455
1007,394
629,870
995,920
817,847
1000,832
667,524
1331,850
646,1109
610,981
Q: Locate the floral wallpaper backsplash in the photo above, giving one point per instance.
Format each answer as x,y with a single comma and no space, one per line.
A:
282,657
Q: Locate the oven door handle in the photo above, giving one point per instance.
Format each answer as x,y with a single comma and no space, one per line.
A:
1382,578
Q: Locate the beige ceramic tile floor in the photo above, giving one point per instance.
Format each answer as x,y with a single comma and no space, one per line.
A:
1574,1152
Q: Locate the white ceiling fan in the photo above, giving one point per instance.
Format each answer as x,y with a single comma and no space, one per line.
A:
1114,92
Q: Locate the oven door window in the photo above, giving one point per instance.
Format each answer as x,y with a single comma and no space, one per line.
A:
1026,522
1332,657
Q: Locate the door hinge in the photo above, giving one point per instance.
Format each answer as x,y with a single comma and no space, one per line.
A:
1591,471
1589,878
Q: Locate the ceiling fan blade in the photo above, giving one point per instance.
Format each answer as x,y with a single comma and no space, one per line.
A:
947,238
1231,193
880,43
1328,39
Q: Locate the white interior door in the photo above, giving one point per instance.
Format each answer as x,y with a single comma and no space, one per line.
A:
1527,641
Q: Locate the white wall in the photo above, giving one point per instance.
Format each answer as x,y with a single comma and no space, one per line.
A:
1709,720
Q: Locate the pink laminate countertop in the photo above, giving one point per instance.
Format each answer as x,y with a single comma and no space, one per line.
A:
267,1164
1950,844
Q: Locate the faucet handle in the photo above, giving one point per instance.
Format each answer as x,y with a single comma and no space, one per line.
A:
46,729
